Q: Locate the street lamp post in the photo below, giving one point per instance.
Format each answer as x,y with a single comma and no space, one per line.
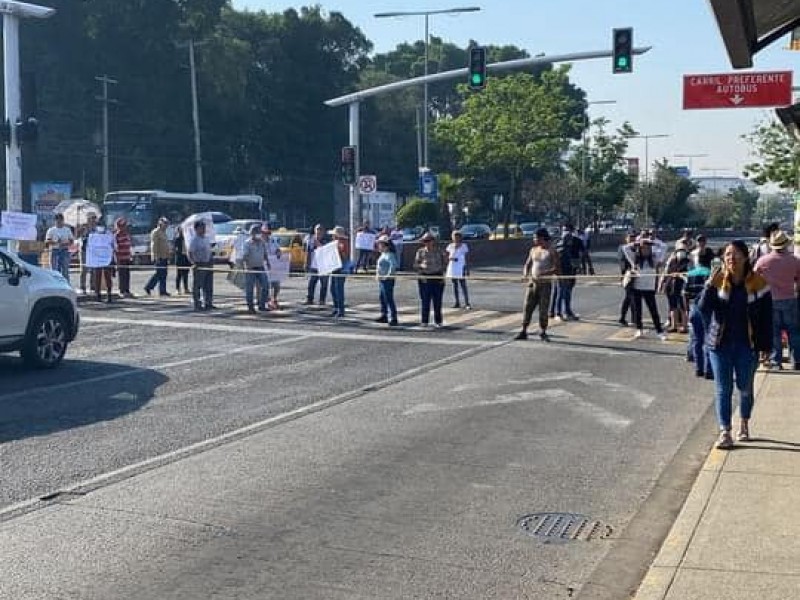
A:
12,12
426,14
647,138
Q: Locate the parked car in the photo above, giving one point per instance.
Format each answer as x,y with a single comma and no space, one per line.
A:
499,233
225,235
475,231
411,233
38,312
528,229
292,241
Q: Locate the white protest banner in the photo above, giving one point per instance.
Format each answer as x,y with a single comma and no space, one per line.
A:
328,259
99,250
365,241
188,228
279,267
17,226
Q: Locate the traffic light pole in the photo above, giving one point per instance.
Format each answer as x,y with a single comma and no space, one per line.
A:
354,197
12,113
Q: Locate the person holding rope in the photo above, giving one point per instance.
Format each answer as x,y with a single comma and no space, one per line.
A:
202,268
429,263
385,271
645,256
255,261
541,266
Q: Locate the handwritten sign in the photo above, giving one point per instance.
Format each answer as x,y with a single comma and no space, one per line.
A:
365,241
17,226
328,259
99,250
279,267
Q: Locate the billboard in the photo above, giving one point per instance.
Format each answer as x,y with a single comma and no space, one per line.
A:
45,196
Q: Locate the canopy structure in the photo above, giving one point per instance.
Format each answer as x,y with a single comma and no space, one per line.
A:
748,26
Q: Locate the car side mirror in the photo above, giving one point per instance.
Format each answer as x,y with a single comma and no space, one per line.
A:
17,273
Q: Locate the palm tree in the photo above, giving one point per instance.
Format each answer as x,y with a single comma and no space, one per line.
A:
449,188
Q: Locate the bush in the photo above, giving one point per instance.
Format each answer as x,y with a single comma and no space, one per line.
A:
418,212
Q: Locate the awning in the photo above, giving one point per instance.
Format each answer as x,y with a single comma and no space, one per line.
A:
748,26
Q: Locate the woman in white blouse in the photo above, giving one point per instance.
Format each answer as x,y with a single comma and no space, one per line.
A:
645,256
457,268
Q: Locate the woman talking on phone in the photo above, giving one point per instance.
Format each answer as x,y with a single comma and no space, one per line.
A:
738,306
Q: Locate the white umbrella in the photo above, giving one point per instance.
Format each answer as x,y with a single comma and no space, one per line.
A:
76,211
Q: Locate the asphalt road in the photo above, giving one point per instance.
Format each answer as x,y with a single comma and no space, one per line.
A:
289,456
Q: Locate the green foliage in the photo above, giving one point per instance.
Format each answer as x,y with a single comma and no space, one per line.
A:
778,153
417,212
666,198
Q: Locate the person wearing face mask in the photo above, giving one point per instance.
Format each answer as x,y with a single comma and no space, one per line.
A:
255,261
737,304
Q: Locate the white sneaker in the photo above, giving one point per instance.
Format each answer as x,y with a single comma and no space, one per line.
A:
437,325
662,337
639,334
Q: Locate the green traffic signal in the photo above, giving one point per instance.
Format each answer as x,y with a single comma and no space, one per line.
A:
622,46
477,68
476,79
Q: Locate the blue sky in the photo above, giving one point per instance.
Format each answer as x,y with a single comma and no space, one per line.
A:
683,34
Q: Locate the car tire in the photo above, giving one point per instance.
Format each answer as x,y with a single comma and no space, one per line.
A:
46,343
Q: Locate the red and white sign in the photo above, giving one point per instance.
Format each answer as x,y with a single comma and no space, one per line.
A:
737,90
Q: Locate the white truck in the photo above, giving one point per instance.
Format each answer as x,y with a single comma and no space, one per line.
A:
38,312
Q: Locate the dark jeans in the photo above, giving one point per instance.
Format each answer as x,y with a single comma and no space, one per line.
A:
59,261
627,304
697,348
100,275
182,273
728,361
431,292
562,299
463,284
313,278
124,277
388,306
159,277
252,279
363,259
337,291
785,318
538,294
203,282
649,297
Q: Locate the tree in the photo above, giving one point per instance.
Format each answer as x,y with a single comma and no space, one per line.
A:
417,212
518,124
744,206
448,187
779,155
665,200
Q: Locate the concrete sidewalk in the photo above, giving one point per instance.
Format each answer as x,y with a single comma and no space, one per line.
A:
738,535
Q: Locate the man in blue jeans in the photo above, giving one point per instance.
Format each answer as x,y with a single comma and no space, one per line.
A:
255,261
159,252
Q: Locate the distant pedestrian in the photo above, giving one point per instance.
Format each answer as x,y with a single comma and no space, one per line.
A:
645,258
627,290
364,255
673,285
182,263
105,274
429,263
396,236
761,247
540,268
123,256
569,249
202,268
385,271
781,269
159,252
338,276
84,232
58,240
458,268
255,262
738,306
702,255
697,352
312,243
274,253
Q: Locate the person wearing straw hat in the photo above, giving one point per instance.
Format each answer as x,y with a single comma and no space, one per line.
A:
781,269
429,263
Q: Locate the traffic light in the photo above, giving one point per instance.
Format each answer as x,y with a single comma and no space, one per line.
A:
27,130
348,165
623,50
477,68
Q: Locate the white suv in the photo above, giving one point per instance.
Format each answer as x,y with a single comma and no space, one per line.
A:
38,312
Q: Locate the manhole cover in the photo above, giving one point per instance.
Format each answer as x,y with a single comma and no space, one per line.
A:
563,527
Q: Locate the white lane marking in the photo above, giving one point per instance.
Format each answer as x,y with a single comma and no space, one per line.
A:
625,391
131,370
333,335
209,443
558,396
550,377
428,407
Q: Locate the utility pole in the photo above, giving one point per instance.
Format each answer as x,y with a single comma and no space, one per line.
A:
105,80
198,160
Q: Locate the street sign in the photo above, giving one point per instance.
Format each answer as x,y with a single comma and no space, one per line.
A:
367,184
428,185
737,90
682,172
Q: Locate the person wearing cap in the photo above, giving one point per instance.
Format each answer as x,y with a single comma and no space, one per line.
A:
338,276
541,266
429,263
255,261
385,271
673,283
159,252
200,256
737,305
58,239
123,256
781,269
274,253
312,243
458,268
645,258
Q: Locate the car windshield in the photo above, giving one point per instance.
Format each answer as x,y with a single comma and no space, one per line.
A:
230,227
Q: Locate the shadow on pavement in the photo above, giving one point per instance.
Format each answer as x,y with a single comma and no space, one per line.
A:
77,393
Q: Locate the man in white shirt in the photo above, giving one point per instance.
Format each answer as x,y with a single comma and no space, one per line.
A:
58,240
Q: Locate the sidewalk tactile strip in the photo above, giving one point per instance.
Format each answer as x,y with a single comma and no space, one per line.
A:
564,527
